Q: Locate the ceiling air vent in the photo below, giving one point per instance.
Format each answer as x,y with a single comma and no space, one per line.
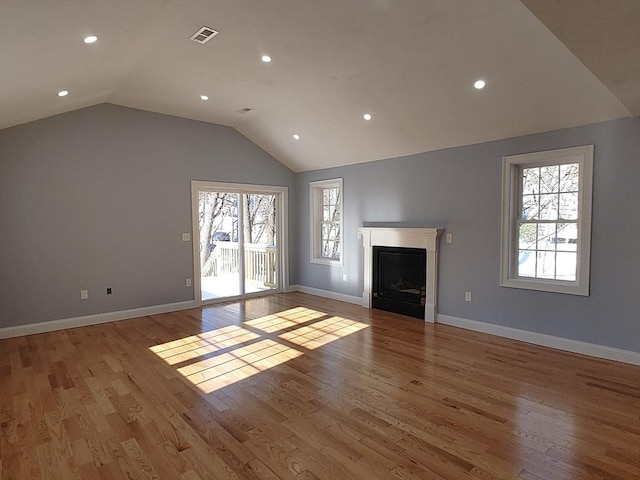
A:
244,110
204,35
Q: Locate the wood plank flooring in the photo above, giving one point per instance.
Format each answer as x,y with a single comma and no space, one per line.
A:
294,386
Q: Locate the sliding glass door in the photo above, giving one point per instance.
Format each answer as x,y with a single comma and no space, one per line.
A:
218,244
260,222
238,234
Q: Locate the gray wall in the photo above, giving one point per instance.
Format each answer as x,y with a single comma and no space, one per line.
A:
99,198
460,189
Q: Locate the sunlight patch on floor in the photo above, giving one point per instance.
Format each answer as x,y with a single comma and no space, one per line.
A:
196,346
233,353
322,332
288,318
227,368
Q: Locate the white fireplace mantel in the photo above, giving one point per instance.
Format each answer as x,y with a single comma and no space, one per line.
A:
426,238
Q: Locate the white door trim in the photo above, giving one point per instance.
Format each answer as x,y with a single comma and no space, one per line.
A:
282,234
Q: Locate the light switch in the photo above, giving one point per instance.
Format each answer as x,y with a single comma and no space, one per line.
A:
186,237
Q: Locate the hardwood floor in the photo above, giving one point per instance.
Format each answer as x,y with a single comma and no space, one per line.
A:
300,387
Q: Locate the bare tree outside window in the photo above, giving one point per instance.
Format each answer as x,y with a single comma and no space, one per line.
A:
326,200
213,207
547,233
260,215
330,224
218,221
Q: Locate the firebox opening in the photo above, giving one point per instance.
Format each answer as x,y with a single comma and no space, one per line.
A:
400,280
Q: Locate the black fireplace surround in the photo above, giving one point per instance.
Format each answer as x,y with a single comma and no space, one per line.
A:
400,280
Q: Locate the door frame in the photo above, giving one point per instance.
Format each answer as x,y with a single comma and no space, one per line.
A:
282,235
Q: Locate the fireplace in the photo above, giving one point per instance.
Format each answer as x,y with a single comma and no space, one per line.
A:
399,280
424,240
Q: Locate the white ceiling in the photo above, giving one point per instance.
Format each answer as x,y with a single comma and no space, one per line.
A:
410,63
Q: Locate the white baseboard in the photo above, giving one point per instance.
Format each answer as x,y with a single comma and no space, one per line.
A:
566,344
560,343
20,330
326,294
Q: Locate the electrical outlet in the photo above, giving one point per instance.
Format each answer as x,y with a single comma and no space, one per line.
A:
84,294
108,290
467,296
449,237
188,282
344,277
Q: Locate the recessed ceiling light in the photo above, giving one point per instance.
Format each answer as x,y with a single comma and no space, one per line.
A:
367,117
296,136
266,58
90,39
204,97
479,84
63,93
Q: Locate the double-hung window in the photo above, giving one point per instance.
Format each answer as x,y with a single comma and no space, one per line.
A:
325,199
546,220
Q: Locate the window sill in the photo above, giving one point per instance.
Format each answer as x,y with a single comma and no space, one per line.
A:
551,286
326,261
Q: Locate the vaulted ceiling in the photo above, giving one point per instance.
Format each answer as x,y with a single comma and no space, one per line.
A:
411,64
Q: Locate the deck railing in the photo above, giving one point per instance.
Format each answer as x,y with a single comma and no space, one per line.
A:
260,261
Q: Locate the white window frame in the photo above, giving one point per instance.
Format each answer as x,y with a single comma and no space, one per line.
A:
511,193
315,223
